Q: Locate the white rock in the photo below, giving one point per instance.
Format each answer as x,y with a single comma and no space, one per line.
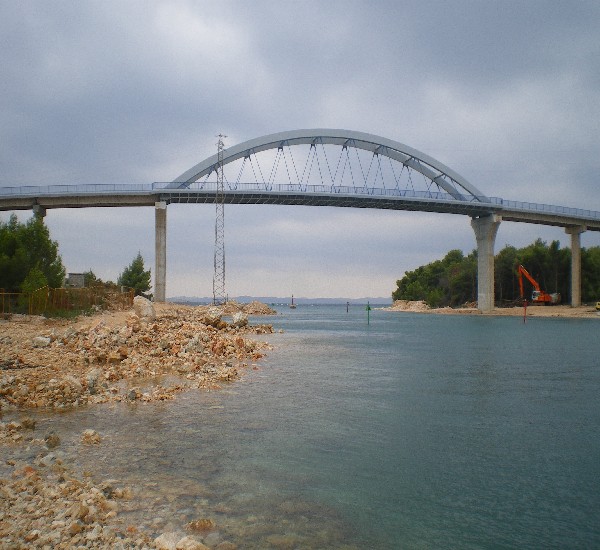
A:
144,308
240,319
167,541
41,342
190,543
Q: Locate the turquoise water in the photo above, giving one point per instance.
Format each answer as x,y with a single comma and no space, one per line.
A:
413,431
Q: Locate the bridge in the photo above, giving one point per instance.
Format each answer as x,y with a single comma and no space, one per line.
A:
323,167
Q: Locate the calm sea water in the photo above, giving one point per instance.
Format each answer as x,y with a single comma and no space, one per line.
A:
413,431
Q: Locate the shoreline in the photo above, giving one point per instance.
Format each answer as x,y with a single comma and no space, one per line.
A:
562,311
53,365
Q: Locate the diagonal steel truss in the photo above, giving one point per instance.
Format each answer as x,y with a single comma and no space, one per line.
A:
219,296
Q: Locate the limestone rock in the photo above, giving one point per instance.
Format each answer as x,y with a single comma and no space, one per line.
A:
167,541
144,308
408,305
202,525
240,319
90,437
41,342
190,543
52,440
213,317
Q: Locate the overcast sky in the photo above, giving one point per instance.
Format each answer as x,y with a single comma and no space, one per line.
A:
506,93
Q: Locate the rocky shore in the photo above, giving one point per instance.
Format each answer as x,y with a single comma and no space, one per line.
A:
420,306
143,355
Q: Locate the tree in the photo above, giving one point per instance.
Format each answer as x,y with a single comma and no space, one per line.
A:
453,280
505,279
134,276
28,246
35,279
590,274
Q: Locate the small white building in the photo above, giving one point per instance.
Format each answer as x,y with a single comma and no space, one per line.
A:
75,280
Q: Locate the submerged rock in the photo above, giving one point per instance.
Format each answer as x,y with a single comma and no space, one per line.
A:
52,440
202,525
190,543
90,437
167,541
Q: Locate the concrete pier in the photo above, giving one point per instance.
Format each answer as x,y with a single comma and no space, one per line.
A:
575,233
486,228
39,211
160,251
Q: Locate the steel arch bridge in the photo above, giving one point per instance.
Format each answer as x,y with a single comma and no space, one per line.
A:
322,167
439,174
325,167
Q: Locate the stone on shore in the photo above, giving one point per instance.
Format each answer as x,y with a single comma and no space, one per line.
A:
240,319
144,308
409,305
41,342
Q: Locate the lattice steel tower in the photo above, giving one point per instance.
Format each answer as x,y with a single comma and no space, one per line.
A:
219,296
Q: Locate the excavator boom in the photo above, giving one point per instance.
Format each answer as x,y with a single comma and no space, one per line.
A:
538,296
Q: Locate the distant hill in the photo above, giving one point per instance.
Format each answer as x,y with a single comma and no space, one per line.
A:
282,301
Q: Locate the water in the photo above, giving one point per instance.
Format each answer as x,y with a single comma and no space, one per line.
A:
414,431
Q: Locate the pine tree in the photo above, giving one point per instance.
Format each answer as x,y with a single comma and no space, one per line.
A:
134,276
25,247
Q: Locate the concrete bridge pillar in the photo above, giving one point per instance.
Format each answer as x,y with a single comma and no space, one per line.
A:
485,229
39,211
575,233
160,251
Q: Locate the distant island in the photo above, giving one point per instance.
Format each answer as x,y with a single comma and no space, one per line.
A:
277,300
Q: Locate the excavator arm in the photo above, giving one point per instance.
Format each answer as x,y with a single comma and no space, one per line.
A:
522,271
538,295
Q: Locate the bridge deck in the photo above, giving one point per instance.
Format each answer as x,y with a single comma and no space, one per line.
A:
129,195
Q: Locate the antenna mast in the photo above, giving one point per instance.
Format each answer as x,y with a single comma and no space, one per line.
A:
219,296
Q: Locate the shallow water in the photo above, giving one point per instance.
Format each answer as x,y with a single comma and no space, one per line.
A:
413,431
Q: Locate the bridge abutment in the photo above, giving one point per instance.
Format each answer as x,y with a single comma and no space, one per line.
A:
485,229
575,233
160,251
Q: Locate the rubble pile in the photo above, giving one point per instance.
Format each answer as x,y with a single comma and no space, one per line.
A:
251,308
144,356
408,305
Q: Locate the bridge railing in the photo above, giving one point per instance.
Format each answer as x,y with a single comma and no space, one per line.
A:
210,187
78,189
549,209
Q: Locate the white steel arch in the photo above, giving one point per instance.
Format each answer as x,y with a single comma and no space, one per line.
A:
443,176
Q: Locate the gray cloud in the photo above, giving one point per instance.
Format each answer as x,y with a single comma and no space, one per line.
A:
505,93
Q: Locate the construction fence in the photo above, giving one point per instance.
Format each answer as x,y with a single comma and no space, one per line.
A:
52,301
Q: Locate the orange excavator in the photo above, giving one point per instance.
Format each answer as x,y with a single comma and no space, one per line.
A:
538,296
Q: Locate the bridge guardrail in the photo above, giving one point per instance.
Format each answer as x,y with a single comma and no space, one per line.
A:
128,188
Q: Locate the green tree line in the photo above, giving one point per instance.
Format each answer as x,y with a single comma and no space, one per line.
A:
452,281
29,258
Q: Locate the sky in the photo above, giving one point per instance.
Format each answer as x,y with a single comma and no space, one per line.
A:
505,93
